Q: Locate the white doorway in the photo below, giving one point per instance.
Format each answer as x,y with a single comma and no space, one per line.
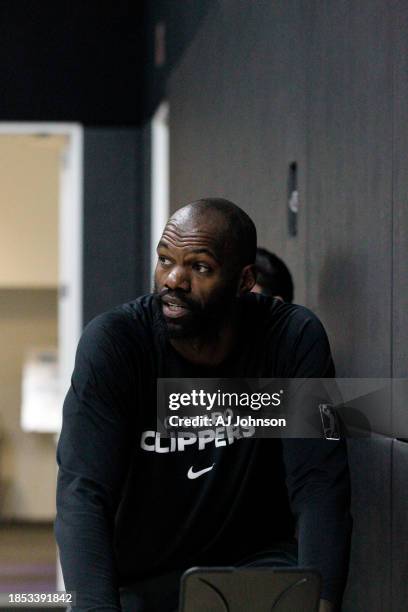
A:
70,207
47,278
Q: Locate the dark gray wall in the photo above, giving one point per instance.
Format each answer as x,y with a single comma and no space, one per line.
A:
400,299
238,100
349,191
181,21
400,192
115,220
349,249
324,84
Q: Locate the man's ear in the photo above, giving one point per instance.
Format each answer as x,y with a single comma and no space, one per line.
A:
247,280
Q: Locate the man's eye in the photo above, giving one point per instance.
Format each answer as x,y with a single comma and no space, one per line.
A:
203,268
165,261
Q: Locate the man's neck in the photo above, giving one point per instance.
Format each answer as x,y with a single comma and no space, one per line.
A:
209,350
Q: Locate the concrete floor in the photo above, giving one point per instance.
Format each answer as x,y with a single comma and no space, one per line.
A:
27,560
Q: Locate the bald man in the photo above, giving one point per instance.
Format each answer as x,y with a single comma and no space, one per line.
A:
135,510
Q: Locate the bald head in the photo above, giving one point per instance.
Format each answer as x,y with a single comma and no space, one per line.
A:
232,229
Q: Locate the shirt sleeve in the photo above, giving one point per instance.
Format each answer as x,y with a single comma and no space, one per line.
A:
317,478
93,455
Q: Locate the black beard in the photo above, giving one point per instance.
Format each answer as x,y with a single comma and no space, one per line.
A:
200,322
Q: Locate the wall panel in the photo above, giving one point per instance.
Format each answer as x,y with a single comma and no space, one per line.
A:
400,305
399,527
237,117
350,182
400,182
349,268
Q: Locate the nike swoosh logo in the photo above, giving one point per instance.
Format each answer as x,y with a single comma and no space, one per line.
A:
193,475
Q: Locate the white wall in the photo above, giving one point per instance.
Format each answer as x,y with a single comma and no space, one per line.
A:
29,201
29,185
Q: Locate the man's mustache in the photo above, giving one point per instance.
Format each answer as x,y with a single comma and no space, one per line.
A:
180,297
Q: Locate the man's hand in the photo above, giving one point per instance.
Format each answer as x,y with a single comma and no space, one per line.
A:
326,606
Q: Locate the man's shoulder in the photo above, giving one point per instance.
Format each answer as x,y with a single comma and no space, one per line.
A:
274,313
295,338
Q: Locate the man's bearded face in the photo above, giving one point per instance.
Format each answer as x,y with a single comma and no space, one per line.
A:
193,280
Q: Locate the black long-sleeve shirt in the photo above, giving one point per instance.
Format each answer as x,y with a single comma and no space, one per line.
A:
126,509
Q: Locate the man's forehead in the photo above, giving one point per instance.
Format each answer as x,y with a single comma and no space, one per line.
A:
192,242
189,218
190,229
182,232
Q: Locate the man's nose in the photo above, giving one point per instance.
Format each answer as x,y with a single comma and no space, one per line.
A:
178,278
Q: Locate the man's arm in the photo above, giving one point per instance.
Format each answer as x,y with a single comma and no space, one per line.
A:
318,484
318,481
93,456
